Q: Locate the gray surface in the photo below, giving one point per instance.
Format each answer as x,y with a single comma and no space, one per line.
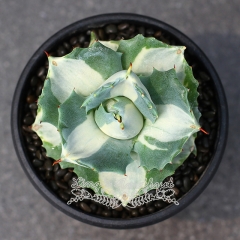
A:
214,25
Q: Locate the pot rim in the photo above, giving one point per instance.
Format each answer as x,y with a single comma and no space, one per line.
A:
184,201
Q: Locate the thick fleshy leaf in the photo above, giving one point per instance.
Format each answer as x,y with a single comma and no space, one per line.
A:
191,83
71,109
148,53
124,187
49,135
158,176
49,105
127,85
175,124
121,120
110,44
46,122
84,69
86,145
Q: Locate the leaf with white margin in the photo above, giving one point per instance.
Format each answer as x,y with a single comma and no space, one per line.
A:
110,44
49,135
86,145
176,123
46,122
124,187
158,176
131,119
148,53
84,69
123,84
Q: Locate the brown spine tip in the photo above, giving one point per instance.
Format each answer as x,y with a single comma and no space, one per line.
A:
56,162
125,175
202,130
47,53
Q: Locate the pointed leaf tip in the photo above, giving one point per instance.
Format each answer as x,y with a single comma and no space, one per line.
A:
46,53
202,130
56,162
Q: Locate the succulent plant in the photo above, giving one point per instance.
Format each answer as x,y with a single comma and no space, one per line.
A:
120,113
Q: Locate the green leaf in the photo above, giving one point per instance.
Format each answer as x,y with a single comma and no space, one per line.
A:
46,122
165,88
71,109
124,187
127,85
84,69
148,53
191,83
159,175
86,145
49,105
114,155
145,54
176,122
49,135
109,44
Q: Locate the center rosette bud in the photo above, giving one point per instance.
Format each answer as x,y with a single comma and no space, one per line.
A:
119,118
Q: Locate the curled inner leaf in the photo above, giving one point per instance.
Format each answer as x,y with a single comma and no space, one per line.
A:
119,118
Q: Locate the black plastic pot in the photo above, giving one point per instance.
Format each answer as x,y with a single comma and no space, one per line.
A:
20,95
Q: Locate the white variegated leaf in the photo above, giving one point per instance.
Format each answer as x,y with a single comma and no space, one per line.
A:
130,119
124,187
124,84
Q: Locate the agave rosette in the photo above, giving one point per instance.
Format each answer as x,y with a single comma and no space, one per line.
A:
120,113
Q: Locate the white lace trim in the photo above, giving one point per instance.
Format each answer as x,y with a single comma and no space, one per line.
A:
163,192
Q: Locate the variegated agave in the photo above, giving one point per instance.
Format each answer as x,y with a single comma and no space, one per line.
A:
120,113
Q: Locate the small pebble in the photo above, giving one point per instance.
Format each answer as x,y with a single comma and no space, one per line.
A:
106,213
151,209
186,183
123,26
48,165
200,169
41,72
34,81
67,176
37,162
61,173
142,210
62,185
28,120
64,195
73,41
93,207
53,185
111,29
134,213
